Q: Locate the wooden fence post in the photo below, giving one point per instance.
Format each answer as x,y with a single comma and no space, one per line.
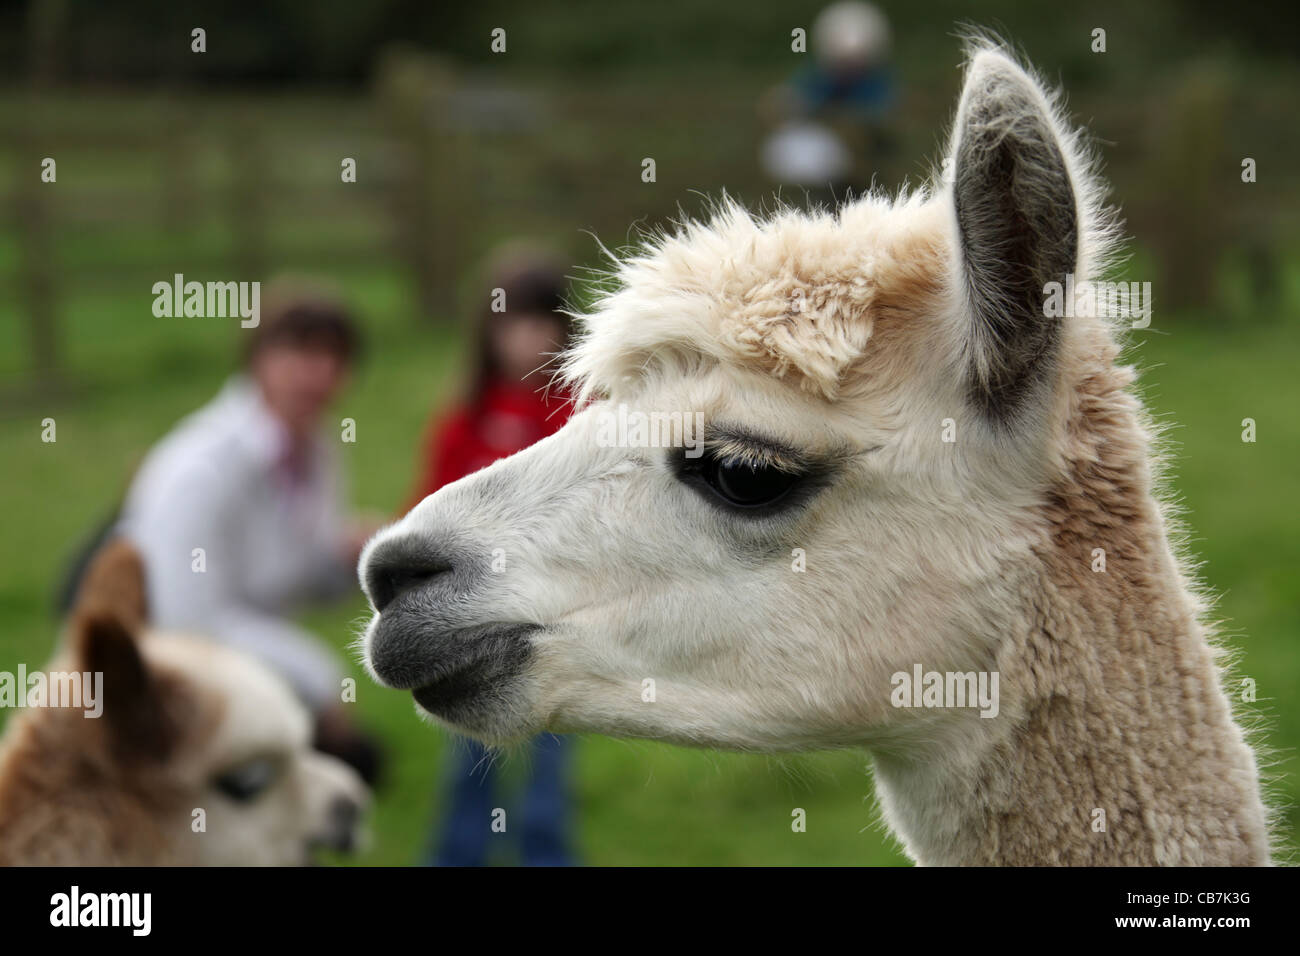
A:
426,233
250,194
32,199
37,267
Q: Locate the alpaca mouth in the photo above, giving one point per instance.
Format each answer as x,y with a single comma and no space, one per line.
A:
458,686
449,670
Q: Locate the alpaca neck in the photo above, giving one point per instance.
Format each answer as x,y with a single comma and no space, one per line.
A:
1115,743
1115,746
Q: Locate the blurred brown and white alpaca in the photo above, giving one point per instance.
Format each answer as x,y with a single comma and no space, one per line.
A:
198,753
910,462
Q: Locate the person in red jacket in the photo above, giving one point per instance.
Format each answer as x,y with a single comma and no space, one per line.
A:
508,407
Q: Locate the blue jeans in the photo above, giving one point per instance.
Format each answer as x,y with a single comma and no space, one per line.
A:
544,811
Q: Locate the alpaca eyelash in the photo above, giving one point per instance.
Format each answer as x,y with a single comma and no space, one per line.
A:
734,451
741,447
744,456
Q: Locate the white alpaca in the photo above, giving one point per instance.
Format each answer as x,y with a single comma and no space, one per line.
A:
886,401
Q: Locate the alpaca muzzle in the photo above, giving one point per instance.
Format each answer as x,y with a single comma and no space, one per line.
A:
428,638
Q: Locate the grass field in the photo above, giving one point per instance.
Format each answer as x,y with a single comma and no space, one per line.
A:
640,803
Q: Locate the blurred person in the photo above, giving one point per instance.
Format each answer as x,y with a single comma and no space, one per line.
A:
832,119
253,481
507,408
851,44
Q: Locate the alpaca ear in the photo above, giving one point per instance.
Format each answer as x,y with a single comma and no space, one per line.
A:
114,585
107,621
1018,227
136,720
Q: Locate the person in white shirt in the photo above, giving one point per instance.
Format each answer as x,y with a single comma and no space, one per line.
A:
239,512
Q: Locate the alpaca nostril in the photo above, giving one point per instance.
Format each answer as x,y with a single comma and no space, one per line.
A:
344,815
387,582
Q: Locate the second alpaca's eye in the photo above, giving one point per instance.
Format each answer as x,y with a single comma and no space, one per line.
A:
746,486
247,781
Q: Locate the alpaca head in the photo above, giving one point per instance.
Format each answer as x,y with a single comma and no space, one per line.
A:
197,754
884,405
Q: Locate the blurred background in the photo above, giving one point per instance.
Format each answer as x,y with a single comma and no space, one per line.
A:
226,165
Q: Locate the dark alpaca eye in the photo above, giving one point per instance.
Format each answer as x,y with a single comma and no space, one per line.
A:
247,781
747,486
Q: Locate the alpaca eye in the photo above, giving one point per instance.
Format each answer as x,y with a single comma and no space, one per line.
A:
746,486
246,781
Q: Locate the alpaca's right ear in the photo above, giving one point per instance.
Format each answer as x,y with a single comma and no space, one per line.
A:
1018,226
114,586
106,626
138,725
